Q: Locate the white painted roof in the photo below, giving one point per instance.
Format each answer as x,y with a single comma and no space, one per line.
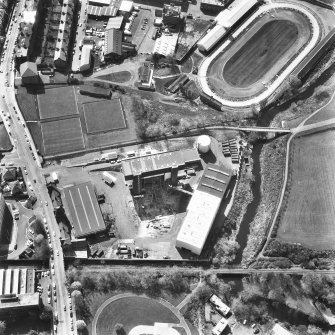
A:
29,16
166,45
212,37
201,212
126,6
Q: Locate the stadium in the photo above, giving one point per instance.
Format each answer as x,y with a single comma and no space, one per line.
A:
252,49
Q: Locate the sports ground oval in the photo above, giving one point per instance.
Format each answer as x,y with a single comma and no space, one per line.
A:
252,63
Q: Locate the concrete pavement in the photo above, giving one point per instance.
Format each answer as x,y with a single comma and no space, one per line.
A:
22,155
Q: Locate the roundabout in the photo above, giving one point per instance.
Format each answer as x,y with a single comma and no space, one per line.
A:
249,66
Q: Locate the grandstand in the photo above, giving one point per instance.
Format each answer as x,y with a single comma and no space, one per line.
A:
224,22
314,57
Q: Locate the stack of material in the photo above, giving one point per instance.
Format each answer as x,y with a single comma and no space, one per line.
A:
225,148
233,147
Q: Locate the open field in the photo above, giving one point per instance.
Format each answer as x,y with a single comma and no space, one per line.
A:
308,209
259,54
57,102
5,143
133,311
104,115
27,102
62,136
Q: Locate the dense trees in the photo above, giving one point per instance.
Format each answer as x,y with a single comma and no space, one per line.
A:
46,313
2,327
76,286
81,325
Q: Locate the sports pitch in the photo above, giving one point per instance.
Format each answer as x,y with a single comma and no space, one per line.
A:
254,59
309,210
133,311
105,115
62,136
57,102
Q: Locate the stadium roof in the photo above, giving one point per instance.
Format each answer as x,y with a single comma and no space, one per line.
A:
212,37
102,11
166,45
160,161
126,6
113,42
115,22
202,208
84,209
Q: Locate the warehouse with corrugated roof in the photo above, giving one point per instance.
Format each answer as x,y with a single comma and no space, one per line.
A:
203,207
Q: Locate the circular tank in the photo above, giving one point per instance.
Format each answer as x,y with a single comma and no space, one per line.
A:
204,144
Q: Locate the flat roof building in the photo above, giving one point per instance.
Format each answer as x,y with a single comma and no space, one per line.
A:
85,62
126,6
166,45
83,209
202,208
99,2
115,22
279,330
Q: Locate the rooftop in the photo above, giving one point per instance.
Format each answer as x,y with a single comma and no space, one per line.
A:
160,161
113,42
115,22
126,6
84,210
166,45
102,11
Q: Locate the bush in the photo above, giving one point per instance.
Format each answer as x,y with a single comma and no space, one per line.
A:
81,325
76,286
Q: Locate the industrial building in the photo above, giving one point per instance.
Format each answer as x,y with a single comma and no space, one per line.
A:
166,45
115,22
17,290
225,20
83,210
104,11
172,17
279,330
203,207
85,62
113,43
126,7
166,166
6,222
213,6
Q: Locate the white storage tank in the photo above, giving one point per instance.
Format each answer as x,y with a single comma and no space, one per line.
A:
204,143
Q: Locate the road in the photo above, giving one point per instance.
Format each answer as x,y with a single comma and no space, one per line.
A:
23,156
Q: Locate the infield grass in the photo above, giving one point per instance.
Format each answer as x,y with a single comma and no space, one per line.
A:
259,54
131,312
309,208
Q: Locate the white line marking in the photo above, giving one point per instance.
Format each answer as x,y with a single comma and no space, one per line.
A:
95,214
75,209
88,222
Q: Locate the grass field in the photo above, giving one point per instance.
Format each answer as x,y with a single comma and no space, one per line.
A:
62,136
102,116
27,103
258,55
5,143
309,208
57,102
131,312
118,77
